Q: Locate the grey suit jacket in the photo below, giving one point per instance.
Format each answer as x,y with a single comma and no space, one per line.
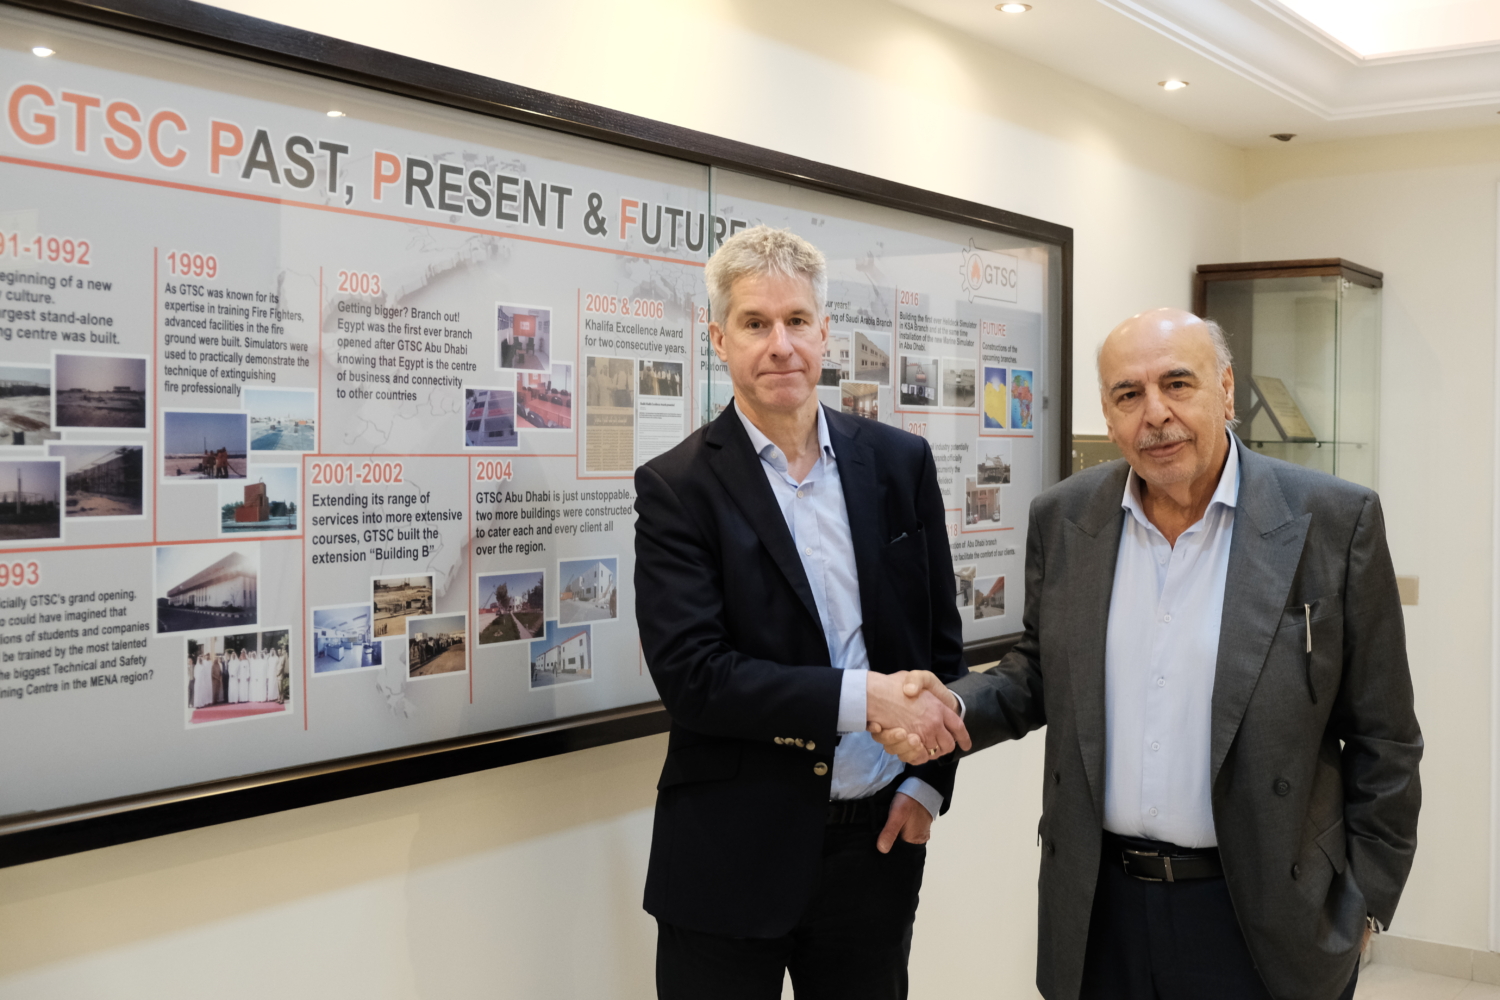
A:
1314,759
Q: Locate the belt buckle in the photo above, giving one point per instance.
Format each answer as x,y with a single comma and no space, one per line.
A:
1166,862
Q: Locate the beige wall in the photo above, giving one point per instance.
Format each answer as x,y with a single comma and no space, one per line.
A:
1421,208
526,881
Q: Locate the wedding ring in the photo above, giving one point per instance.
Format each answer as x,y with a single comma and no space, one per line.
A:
932,751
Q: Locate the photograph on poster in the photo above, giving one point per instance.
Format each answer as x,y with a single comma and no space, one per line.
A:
963,585
872,357
545,401
661,378
264,501
862,399
242,675
1020,399
103,480
511,606
609,414
918,381
203,444
992,462
282,419
100,390
996,399
524,337
344,639
958,383
437,645
396,598
201,587
30,498
25,405
989,597
981,503
835,360
563,656
587,591
661,410
490,418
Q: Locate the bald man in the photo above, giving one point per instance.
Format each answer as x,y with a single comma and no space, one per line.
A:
1214,641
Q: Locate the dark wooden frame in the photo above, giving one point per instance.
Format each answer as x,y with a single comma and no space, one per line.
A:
1314,267
33,837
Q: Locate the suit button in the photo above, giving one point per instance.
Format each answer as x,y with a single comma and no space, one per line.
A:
1282,786
798,742
1057,777
820,769
1296,871
779,740
811,745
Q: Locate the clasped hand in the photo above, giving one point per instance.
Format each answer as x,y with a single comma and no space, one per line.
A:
913,715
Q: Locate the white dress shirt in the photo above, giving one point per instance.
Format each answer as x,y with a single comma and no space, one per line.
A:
1159,661
818,519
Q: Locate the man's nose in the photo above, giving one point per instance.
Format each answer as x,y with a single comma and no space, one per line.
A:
1157,411
781,339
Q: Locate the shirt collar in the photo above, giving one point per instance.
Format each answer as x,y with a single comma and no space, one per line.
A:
774,456
1226,494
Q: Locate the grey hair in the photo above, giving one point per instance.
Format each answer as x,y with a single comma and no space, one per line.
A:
1223,360
763,250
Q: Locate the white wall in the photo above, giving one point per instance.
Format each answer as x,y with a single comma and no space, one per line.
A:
1421,208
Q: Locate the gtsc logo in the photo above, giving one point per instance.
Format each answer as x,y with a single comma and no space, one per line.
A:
989,275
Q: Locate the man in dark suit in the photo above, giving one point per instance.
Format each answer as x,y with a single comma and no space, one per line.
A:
791,563
1214,641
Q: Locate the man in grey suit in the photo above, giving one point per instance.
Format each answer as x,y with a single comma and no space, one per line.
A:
1214,641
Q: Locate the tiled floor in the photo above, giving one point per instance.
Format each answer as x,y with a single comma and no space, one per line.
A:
1391,982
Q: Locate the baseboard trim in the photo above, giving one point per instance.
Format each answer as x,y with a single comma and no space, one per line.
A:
1439,959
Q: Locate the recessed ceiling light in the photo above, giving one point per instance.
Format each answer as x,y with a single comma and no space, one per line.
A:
335,114
42,51
1012,8
1172,84
1284,136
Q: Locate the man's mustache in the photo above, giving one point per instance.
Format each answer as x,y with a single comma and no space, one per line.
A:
1157,438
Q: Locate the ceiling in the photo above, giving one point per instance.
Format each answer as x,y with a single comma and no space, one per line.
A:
1259,67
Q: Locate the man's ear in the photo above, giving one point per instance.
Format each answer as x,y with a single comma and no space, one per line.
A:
1228,385
1109,427
716,338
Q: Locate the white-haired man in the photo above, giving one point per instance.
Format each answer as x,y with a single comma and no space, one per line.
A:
1214,642
791,562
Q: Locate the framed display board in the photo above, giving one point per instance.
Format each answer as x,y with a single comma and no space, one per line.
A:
325,374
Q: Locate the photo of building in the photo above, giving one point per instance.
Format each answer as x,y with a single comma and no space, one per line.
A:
990,602
872,358
100,390
204,444
860,398
103,480
490,418
344,639
918,381
396,598
437,645
511,606
993,463
30,498
835,360
524,336
206,586
545,401
282,419
25,405
958,383
588,590
981,503
562,656
267,504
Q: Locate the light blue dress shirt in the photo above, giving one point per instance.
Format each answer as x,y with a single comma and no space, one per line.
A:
818,519
1159,662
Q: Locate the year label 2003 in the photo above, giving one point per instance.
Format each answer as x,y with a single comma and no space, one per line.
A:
343,473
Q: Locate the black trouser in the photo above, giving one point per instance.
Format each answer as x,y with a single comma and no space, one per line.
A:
1166,940
852,940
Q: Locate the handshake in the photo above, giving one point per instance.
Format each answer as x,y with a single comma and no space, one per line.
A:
913,715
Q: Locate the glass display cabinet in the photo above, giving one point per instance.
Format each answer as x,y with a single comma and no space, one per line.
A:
1305,335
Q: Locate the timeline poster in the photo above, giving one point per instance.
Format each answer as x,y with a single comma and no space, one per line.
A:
936,329
317,431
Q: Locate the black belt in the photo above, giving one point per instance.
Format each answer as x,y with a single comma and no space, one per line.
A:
871,808
1154,861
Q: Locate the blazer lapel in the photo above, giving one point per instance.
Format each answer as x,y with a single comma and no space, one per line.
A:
1092,548
1264,554
738,467
856,466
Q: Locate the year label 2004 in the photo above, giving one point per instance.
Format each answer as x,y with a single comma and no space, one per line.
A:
343,473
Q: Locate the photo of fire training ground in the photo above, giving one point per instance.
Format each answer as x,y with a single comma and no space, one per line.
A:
30,499
100,390
265,501
238,676
203,444
207,586
282,419
25,405
437,645
104,480
511,606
